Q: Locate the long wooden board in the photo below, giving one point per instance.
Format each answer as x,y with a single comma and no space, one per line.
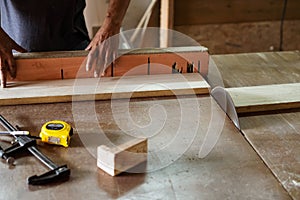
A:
103,89
266,97
70,65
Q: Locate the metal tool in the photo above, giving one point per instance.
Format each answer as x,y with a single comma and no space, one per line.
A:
225,101
189,67
175,70
26,143
14,132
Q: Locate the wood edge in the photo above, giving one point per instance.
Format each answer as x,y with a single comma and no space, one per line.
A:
268,107
82,53
111,165
103,97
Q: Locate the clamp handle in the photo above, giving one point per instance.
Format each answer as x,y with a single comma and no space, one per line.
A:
24,142
61,173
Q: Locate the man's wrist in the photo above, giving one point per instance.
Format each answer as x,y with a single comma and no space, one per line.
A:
111,19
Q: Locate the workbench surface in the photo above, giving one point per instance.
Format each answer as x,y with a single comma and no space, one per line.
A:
275,136
232,170
252,69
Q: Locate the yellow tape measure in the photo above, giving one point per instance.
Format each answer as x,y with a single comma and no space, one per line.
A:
56,132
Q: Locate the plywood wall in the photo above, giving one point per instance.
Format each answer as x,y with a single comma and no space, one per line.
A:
195,12
236,26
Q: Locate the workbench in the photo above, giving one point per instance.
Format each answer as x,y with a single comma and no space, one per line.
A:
234,169
273,134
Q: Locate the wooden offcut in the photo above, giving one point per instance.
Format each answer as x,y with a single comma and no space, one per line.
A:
105,88
71,64
265,97
121,158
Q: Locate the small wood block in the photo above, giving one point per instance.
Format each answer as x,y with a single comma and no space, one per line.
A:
121,158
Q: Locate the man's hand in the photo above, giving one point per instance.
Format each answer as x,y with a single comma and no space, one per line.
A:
103,48
7,64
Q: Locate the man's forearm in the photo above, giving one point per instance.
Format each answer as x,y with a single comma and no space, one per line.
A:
116,11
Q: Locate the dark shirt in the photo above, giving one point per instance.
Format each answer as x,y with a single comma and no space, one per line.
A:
45,25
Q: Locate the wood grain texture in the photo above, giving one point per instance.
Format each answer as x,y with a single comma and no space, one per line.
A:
254,69
266,97
51,65
122,158
232,170
245,37
166,22
105,88
276,139
193,12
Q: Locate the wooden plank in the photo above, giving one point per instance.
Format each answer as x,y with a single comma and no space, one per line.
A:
122,158
166,22
275,138
50,65
195,12
105,88
266,97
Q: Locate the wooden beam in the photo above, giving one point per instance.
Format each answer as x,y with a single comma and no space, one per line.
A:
70,65
266,97
166,22
122,158
105,88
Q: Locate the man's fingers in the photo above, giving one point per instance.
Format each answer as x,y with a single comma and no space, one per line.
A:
89,47
91,59
20,49
3,75
12,69
100,60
